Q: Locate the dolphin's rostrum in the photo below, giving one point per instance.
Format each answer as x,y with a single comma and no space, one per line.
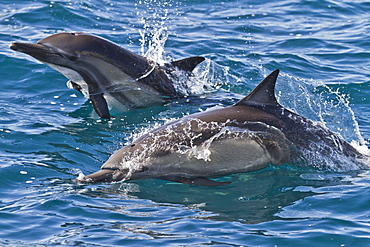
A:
111,76
247,136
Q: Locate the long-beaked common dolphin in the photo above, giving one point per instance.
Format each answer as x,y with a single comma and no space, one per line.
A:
247,136
111,76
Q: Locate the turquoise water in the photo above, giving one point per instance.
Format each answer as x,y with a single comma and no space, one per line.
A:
49,134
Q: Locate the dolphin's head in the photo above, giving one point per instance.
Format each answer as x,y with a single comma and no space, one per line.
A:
68,49
124,165
59,49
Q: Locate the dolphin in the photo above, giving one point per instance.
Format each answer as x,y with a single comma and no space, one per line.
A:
109,75
250,135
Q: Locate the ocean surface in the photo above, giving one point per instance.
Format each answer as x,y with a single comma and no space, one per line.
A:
49,133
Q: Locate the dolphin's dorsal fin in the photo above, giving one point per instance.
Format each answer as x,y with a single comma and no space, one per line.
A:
188,64
264,93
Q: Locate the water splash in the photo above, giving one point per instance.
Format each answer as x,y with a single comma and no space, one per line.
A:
319,102
207,77
155,16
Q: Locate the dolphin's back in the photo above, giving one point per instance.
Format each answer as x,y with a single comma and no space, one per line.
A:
304,133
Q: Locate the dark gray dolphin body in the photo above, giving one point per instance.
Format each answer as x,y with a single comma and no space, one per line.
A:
111,76
247,136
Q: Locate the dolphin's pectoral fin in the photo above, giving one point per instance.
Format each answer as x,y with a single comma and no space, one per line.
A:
196,181
100,105
188,64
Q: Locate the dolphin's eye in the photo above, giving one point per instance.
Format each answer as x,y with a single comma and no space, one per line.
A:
72,58
132,145
73,34
143,169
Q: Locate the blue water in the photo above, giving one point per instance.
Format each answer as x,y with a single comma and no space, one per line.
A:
49,133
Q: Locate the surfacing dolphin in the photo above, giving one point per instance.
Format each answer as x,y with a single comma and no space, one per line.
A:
111,76
247,136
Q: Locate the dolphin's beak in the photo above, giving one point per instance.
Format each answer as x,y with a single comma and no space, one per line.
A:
38,51
44,53
101,176
30,49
